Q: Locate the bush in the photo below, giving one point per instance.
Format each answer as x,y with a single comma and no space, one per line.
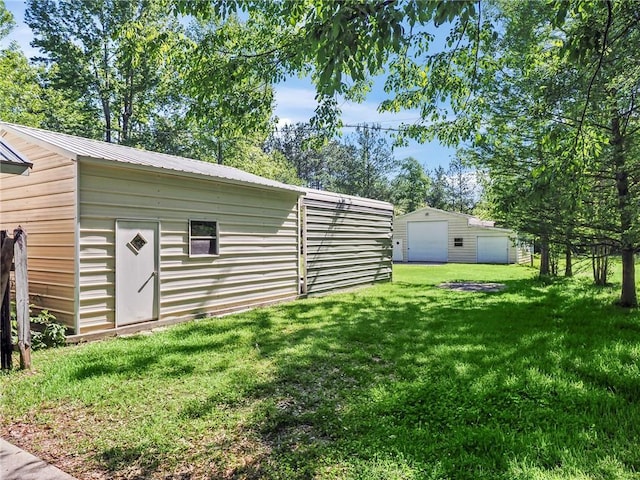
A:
45,331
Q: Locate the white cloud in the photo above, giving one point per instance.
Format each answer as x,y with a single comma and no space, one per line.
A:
295,104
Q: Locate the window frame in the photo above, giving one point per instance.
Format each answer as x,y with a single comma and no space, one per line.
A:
215,238
458,241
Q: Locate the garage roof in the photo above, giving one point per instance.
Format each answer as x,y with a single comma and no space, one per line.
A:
471,220
78,148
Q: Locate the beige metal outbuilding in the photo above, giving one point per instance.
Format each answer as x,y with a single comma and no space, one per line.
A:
347,241
120,237
433,235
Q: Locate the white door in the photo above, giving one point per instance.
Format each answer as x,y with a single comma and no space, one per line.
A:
493,250
136,271
397,250
427,241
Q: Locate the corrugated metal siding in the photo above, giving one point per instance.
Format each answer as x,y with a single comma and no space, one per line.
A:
258,231
522,252
44,203
458,228
348,241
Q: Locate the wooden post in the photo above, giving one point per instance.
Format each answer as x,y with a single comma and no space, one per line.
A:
22,297
7,258
6,347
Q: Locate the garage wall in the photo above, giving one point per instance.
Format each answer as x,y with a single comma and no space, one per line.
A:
348,241
44,204
459,228
258,242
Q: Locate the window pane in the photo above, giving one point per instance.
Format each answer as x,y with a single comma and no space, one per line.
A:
206,246
203,229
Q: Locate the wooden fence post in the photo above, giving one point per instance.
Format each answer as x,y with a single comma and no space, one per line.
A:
22,297
6,346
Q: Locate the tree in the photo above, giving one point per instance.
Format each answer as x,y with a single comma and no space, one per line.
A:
228,95
438,195
7,22
27,100
462,187
306,150
364,165
411,187
111,55
250,157
606,37
340,44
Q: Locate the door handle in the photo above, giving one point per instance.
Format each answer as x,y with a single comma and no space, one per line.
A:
153,274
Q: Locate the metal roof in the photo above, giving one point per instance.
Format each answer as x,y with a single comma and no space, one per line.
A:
344,197
79,148
11,161
471,220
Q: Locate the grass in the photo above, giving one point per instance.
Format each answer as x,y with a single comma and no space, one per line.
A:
395,381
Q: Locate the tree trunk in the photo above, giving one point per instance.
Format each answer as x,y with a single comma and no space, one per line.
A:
600,264
127,111
568,266
106,110
628,297
219,151
545,263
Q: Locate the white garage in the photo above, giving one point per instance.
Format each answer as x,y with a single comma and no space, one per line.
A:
433,235
427,241
493,249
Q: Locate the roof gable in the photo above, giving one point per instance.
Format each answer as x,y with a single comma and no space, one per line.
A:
471,220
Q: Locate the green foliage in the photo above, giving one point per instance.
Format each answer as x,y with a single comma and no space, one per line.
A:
251,158
363,168
111,55
7,23
45,331
341,44
400,380
437,196
307,151
21,100
228,94
28,100
410,187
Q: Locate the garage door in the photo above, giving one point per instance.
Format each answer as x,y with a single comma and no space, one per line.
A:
427,241
493,250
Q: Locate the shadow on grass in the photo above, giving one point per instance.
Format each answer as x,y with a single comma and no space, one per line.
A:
409,380
473,384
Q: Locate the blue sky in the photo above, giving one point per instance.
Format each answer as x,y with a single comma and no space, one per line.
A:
295,102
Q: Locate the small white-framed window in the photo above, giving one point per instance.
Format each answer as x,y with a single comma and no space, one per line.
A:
203,238
458,242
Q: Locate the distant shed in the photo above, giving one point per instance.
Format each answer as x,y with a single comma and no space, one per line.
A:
433,235
123,239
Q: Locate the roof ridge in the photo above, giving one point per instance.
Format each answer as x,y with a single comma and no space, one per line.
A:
82,147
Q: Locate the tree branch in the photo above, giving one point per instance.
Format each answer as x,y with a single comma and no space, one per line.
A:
595,73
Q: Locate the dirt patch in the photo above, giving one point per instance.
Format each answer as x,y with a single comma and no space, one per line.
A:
473,286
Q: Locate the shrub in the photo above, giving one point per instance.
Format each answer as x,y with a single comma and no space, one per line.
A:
45,331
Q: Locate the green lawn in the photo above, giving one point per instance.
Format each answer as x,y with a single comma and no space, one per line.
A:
402,380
